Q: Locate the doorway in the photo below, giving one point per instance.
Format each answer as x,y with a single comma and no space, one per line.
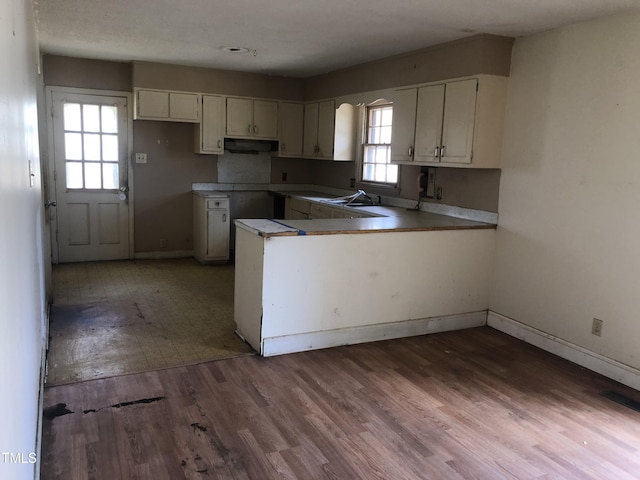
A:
90,144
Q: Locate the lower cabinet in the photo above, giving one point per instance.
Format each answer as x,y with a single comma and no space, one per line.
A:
211,228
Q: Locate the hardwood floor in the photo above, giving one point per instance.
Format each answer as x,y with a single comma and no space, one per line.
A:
459,405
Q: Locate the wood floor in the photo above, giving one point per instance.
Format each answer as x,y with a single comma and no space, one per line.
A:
473,404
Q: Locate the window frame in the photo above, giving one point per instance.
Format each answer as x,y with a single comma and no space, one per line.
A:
383,187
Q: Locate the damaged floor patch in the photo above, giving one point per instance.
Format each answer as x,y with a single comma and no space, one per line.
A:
126,404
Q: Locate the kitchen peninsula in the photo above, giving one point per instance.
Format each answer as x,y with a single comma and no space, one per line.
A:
309,284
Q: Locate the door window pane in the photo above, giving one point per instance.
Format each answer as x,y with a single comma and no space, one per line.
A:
72,118
110,175
92,175
73,146
74,175
109,119
110,148
91,118
92,147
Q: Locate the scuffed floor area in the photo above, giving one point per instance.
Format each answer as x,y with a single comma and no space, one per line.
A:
114,318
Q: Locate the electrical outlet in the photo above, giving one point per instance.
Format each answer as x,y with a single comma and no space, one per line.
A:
596,328
141,158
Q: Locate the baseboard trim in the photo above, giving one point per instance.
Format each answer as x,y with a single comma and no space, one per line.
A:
371,333
163,254
574,353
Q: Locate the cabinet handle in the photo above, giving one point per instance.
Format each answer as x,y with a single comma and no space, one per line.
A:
410,152
224,217
282,147
219,143
436,153
442,151
249,129
255,129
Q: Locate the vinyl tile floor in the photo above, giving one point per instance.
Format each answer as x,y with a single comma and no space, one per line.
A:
115,318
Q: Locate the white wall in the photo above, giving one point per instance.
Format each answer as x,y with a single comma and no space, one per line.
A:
22,292
568,245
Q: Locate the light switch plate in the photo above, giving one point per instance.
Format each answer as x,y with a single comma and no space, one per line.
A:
141,158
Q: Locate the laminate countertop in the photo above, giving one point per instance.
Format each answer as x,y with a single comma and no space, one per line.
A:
388,219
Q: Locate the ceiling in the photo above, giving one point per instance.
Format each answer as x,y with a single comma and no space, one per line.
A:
298,38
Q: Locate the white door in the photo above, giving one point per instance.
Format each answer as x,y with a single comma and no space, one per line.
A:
90,138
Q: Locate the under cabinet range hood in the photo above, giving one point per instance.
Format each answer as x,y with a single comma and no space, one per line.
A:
239,145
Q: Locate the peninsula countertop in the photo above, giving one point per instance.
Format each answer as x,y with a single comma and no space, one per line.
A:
408,221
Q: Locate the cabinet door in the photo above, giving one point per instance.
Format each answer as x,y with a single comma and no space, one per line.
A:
239,117
459,121
211,129
291,129
326,128
184,107
153,104
310,129
429,123
404,125
265,119
217,234
320,211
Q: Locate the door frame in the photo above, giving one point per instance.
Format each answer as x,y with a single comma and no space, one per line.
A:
50,160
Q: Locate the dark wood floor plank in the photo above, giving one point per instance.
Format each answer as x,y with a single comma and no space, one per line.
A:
460,405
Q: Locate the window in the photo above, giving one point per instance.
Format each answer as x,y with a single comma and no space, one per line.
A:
376,159
91,146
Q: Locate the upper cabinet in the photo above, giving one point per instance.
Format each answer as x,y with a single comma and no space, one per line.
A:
329,133
209,135
251,118
456,123
319,120
167,106
291,129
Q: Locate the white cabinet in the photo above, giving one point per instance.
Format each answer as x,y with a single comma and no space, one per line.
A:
291,129
319,126
429,119
209,135
211,228
404,125
251,118
300,209
457,123
296,209
167,106
330,133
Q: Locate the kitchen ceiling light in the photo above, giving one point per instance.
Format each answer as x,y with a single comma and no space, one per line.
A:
234,49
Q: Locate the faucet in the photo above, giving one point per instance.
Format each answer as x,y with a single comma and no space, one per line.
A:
361,193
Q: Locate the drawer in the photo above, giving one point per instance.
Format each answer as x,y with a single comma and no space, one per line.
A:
217,203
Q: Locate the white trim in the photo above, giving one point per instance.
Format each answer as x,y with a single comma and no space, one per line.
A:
574,353
370,333
163,254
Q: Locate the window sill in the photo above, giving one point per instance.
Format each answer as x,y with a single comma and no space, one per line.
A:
378,188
